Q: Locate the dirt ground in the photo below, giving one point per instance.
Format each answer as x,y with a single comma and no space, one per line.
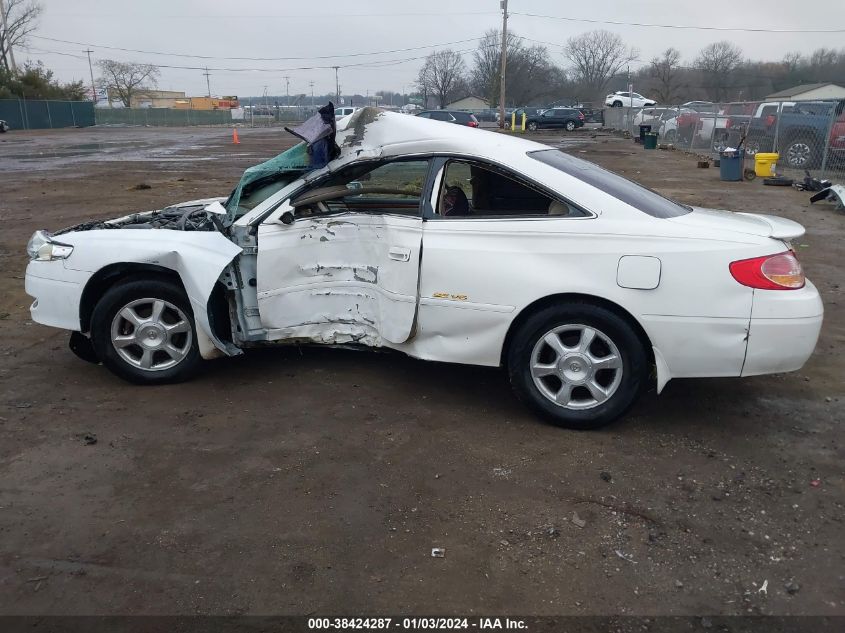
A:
317,481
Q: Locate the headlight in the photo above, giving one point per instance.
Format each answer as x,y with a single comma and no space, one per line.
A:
41,247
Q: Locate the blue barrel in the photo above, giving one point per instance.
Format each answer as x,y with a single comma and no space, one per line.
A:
730,165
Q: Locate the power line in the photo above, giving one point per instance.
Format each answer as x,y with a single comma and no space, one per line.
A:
676,26
253,59
367,64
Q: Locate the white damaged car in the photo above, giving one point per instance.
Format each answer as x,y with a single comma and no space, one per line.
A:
446,245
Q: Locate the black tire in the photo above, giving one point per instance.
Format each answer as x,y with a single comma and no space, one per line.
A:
802,153
669,137
531,126
617,104
570,126
122,295
634,364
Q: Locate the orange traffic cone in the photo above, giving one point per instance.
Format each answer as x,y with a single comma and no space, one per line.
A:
235,138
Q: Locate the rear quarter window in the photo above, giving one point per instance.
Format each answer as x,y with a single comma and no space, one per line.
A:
641,198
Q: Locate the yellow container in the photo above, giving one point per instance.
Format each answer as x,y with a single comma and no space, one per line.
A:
765,163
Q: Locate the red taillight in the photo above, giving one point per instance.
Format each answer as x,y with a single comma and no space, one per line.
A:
473,124
770,120
581,115
728,123
770,272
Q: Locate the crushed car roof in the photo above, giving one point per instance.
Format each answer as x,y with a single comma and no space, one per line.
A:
377,132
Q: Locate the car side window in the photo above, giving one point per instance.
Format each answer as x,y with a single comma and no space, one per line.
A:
470,190
388,188
441,116
548,113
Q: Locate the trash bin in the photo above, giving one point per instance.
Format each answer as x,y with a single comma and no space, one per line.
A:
644,129
730,165
650,140
765,163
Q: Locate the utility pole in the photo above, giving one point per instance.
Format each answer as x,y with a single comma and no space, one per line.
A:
6,31
90,70
207,81
504,5
337,84
287,91
311,83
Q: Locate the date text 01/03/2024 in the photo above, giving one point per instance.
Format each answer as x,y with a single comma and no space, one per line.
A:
416,623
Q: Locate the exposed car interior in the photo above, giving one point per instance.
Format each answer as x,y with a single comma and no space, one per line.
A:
388,188
471,190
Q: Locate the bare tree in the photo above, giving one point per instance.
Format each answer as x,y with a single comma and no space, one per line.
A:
596,57
717,62
126,79
665,71
441,74
19,20
531,74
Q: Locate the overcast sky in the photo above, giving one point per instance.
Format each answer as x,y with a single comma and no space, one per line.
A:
282,28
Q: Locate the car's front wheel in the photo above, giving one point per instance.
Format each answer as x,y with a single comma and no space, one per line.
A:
578,365
570,126
532,126
143,331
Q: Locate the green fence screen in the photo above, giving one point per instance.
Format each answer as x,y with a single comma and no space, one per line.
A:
35,115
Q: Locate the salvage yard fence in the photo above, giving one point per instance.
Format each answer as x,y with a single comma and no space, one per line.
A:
31,114
807,135
179,117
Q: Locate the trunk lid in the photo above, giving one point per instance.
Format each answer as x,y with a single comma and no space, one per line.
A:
748,223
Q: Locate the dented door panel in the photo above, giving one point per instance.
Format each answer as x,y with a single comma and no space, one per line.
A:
338,279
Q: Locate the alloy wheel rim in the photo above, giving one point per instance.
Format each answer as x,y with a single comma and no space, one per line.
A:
797,154
576,366
151,334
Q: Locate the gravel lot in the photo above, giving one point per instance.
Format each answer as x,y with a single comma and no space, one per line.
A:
316,481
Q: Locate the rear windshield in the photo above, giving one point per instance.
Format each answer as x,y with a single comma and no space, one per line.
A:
627,191
463,116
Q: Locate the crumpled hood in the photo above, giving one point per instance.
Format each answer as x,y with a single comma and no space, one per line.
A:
747,223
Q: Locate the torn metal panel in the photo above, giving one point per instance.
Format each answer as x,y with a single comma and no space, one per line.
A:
342,269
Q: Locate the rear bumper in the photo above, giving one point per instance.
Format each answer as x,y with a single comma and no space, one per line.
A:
783,331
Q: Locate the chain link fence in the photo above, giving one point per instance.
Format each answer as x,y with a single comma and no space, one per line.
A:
25,114
806,135
252,116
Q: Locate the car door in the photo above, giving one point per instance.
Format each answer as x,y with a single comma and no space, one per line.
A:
344,267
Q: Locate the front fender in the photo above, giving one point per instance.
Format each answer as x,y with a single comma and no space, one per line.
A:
198,257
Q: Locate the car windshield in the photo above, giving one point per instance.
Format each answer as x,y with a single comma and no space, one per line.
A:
627,191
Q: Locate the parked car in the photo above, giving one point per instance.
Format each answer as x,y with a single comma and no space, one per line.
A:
529,112
450,116
700,106
447,245
568,119
796,130
651,116
489,115
4,127
628,100
343,111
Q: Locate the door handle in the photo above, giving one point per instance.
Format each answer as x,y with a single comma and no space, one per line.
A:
399,254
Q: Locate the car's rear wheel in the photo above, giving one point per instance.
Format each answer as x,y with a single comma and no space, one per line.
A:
532,126
570,126
617,104
143,331
580,366
669,137
802,153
